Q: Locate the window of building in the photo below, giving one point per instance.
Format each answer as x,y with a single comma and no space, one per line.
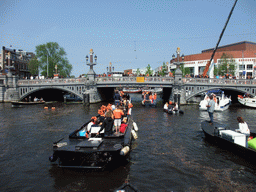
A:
249,67
241,67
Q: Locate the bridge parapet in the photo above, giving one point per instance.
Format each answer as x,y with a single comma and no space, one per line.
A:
52,81
219,81
134,79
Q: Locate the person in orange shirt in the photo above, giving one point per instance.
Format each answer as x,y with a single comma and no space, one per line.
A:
118,113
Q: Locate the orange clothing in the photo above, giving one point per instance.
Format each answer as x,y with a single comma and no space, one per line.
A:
154,97
118,113
150,97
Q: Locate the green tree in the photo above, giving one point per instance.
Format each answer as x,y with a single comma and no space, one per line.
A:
185,70
148,70
138,72
55,55
164,69
226,65
33,66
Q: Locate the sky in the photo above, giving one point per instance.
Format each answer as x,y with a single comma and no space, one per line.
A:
128,33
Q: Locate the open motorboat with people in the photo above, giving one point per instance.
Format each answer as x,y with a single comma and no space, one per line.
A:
230,140
172,108
97,151
222,102
247,100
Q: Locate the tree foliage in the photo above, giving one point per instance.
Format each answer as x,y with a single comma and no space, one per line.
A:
138,72
163,70
33,66
148,70
227,65
55,55
185,70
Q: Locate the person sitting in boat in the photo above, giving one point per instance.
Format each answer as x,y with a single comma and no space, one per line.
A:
35,99
170,106
101,117
92,122
107,125
41,100
176,107
123,125
243,128
166,106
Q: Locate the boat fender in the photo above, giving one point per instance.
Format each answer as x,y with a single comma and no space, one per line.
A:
125,150
53,158
134,134
135,127
45,107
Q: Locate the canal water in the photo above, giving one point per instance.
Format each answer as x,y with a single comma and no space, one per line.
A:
170,154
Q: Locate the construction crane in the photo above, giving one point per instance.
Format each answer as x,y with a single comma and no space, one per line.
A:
209,62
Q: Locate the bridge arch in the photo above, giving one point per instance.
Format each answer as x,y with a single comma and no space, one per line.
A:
237,89
37,89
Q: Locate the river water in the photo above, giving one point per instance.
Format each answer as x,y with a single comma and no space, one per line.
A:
170,154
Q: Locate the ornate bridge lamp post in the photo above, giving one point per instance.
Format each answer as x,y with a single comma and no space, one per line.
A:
91,74
110,68
178,92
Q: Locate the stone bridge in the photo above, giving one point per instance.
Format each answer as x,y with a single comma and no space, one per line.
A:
186,87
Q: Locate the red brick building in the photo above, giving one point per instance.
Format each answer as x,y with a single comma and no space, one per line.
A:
244,54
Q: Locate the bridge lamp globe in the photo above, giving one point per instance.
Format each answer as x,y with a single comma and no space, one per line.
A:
173,56
87,57
182,56
95,58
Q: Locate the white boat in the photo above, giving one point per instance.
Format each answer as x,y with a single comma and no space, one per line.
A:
154,90
248,101
222,102
131,90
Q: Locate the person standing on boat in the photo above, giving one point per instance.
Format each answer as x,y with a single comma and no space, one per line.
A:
210,108
107,125
118,113
117,98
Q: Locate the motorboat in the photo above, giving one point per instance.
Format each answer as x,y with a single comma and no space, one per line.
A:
145,102
170,111
247,100
19,103
230,140
222,102
131,90
80,151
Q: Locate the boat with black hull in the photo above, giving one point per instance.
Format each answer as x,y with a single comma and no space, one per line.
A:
230,140
170,111
79,151
148,103
19,103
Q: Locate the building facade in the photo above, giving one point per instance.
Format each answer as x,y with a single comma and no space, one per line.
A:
16,62
243,54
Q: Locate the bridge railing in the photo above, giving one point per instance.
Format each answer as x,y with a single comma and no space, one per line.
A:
52,81
219,81
134,79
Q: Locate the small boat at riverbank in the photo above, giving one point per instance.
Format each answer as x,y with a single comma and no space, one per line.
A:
17,103
230,140
248,101
222,102
79,151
